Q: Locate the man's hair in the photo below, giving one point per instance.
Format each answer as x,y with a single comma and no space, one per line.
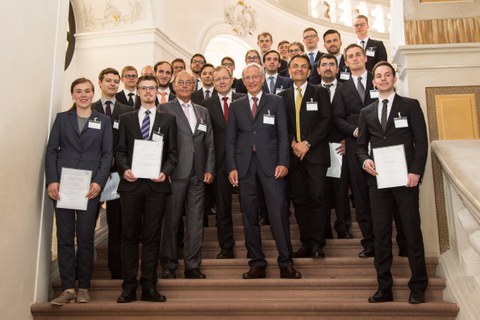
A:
184,72
223,68
252,64
159,63
272,51
361,16
264,34
102,73
350,46
282,42
331,31
301,56
179,60
298,44
206,65
229,59
198,55
383,63
328,56
310,29
128,68
147,78
252,50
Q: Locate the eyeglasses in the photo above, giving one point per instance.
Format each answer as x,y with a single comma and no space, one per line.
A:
253,58
294,50
359,25
152,88
309,36
130,76
198,62
254,77
221,79
182,83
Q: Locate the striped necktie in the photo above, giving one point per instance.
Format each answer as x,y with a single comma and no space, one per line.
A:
146,125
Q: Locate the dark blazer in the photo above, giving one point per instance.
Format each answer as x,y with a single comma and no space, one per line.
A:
314,125
89,149
282,83
198,96
283,69
240,86
243,132
335,135
123,99
414,137
380,53
118,110
347,105
215,109
314,77
129,131
194,149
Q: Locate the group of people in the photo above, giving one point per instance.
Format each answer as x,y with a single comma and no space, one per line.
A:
269,133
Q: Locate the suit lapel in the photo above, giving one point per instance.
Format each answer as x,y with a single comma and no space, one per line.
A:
136,125
353,88
72,116
218,111
394,111
261,104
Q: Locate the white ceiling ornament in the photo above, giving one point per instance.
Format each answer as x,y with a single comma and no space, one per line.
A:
104,14
242,18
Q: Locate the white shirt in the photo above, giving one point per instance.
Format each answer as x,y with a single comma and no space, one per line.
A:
229,101
334,84
141,116
389,105
250,100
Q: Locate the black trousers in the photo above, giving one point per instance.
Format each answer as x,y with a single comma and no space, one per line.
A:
114,221
223,200
337,194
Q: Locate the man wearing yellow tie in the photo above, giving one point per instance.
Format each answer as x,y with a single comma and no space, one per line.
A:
309,124
163,72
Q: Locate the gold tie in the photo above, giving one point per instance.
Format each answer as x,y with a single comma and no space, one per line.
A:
298,104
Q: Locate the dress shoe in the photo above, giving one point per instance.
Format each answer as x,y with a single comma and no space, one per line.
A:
225,254
194,274
344,235
152,295
169,274
381,296
416,297
317,252
127,296
303,252
255,273
290,273
367,253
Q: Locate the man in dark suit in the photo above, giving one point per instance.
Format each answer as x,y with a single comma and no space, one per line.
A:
218,106
196,166
397,121
257,148
128,96
374,49
337,189
355,94
163,72
274,82
332,42
310,39
309,122
108,82
207,89
143,200
265,42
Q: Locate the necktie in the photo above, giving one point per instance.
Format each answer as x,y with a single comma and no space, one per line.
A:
384,114
225,108
146,125
163,98
298,105
254,107
130,98
272,84
108,108
196,83
360,88
207,94
312,58
327,86
363,44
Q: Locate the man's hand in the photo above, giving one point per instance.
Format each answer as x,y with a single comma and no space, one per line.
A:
208,178
52,191
233,178
94,190
369,166
280,171
413,180
301,149
160,178
341,149
128,175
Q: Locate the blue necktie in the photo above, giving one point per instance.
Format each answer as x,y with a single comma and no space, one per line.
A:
272,84
312,58
146,125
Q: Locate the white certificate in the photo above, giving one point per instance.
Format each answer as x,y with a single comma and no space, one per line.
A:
74,186
147,158
391,166
335,169
110,190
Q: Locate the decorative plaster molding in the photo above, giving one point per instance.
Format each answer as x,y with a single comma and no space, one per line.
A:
242,18
95,16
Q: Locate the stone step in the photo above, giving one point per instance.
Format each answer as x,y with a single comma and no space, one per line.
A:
332,267
325,289
246,310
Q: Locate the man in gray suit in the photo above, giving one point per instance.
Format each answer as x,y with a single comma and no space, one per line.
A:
196,165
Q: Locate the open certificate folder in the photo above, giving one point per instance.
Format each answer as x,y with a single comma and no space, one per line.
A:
147,158
74,186
391,165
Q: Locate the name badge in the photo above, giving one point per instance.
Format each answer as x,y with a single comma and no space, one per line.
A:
400,122
157,136
279,90
95,124
344,75
312,106
202,127
268,118
116,124
370,52
374,94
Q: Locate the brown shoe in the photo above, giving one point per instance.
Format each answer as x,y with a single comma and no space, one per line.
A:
255,273
290,273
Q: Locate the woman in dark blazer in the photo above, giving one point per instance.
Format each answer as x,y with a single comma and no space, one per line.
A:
81,138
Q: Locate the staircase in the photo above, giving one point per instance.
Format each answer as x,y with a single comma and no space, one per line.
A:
336,287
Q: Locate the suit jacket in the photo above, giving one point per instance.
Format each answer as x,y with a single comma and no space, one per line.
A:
414,137
215,109
380,53
240,86
198,96
130,131
283,69
118,110
89,149
194,149
335,135
347,105
123,99
244,131
314,77
314,125
282,83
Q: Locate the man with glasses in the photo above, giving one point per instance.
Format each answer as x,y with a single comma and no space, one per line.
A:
143,200
196,63
128,95
310,39
374,49
230,64
218,106
251,56
295,48
196,166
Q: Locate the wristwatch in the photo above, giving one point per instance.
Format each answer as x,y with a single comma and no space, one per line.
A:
307,143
